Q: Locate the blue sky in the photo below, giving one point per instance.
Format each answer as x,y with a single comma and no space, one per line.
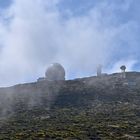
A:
5,3
79,34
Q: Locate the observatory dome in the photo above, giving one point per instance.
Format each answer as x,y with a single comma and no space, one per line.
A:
55,72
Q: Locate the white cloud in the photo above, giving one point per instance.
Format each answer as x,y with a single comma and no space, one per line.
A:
38,35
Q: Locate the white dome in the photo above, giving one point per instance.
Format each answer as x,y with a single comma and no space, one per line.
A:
55,72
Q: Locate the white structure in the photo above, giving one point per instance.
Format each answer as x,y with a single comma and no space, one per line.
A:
99,70
55,72
41,79
123,73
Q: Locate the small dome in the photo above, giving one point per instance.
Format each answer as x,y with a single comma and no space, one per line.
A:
55,72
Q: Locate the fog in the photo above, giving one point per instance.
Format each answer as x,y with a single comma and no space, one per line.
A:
36,33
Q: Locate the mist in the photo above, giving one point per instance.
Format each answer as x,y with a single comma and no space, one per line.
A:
36,33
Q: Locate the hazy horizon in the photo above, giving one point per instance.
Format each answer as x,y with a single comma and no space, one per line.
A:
77,34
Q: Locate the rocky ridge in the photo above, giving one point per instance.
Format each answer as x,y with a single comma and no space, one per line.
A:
103,108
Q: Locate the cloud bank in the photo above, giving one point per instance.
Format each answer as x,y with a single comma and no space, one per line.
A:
35,33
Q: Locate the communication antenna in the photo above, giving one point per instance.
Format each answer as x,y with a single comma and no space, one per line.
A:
123,68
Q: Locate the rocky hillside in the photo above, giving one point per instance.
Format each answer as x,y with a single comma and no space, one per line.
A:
92,108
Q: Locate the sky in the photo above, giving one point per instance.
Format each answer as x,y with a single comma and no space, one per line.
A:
79,34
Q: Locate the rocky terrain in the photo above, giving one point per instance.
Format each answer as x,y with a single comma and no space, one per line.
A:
92,108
